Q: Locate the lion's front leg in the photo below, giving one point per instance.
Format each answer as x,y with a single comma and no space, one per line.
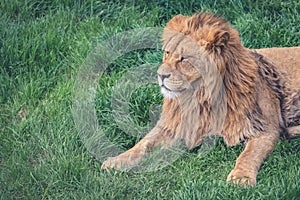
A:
136,153
250,160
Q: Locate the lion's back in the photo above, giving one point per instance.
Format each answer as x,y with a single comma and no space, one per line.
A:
287,59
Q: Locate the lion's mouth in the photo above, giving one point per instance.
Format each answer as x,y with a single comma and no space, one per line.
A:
169,93
166,88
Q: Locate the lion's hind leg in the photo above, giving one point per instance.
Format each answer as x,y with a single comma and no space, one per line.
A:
292,111
294,131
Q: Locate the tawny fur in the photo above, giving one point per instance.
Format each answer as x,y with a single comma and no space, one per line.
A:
262,94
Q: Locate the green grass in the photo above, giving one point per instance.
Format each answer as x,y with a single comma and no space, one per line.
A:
42,46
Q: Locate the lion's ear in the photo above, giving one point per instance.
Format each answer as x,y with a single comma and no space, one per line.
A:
177,23
221,38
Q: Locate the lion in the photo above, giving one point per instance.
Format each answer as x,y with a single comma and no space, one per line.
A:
212,84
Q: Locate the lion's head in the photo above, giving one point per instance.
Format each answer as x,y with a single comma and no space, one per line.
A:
195,45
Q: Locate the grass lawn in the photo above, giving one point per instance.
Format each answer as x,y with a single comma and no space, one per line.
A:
43,46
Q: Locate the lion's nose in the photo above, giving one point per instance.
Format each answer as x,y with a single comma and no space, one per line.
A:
163,76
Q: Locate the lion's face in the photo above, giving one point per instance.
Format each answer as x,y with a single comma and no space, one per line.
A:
176,75
194,47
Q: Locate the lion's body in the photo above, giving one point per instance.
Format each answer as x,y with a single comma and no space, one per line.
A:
212,84
287,60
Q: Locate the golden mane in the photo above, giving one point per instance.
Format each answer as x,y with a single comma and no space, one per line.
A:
214,85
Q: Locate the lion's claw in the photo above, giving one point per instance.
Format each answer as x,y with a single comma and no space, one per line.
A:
241,178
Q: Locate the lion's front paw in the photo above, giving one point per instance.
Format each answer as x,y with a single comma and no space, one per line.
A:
123,161
242,177
112,163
